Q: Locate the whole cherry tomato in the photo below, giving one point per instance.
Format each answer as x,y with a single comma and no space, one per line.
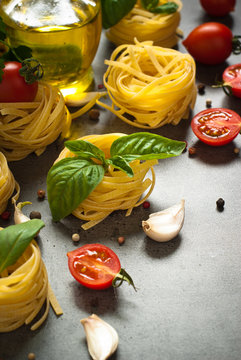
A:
210,43
218,7
216,126
13,87
232,79
97,267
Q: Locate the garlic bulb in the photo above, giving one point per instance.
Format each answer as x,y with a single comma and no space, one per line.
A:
166,224
102,338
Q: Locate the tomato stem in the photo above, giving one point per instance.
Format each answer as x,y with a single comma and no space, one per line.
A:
225,86
122,276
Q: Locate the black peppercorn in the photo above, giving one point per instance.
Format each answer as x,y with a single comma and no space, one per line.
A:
220,204
35,215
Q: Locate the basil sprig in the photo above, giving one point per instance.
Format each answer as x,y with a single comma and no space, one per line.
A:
114,10
14,239
72,179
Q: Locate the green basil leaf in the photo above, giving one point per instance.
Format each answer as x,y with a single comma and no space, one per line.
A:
85,149
168,8
114,10
14,239
151,5
120,163
69,182
146,146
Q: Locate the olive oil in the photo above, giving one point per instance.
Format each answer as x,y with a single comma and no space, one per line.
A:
63,35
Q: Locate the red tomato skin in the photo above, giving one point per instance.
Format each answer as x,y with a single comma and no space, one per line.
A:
218,7
232,77
234,125
101,284
209,43
13,87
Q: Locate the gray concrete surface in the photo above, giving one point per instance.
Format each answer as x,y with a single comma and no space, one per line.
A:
188,303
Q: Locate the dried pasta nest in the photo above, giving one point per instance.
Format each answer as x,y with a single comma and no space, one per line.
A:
150,86
7,184
162,29
30,127
117,191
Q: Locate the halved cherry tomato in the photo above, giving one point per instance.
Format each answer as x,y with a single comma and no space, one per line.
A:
232,78
97,267
218,7
216,126
13,87
210,43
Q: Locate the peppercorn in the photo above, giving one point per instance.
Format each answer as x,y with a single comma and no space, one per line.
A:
121,240
31,356
35,215
41,194
146,204
201,89
236,150
5,215
192,151
75,237
220,204
94,114
208,103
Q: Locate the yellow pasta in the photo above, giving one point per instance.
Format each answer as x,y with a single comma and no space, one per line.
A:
24,290
162,29
30,127
7,184
117,191
150,86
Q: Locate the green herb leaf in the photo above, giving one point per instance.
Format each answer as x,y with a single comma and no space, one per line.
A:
14,240
120,163
85,149
2,66
69,182
151,5
114,10
146,146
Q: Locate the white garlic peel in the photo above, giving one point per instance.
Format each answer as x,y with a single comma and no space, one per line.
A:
102,338
165,225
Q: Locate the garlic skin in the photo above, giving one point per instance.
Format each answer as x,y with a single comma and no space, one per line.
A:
102,338
166,224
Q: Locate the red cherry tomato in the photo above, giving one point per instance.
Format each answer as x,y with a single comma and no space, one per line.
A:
209,43
97,267
218,7
13,87
216,126
232,78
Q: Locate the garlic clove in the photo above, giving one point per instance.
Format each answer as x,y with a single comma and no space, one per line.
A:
102,338
19,217
166,224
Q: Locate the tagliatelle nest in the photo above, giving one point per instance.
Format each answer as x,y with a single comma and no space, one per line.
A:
117,191
150,86
7,184
31,126
162,29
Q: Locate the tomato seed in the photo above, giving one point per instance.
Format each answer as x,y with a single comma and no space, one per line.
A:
5,215
146,204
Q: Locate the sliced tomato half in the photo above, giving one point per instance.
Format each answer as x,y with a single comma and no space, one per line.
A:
97,267
232,78
217,126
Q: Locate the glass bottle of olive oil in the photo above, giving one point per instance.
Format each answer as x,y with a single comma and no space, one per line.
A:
63,34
